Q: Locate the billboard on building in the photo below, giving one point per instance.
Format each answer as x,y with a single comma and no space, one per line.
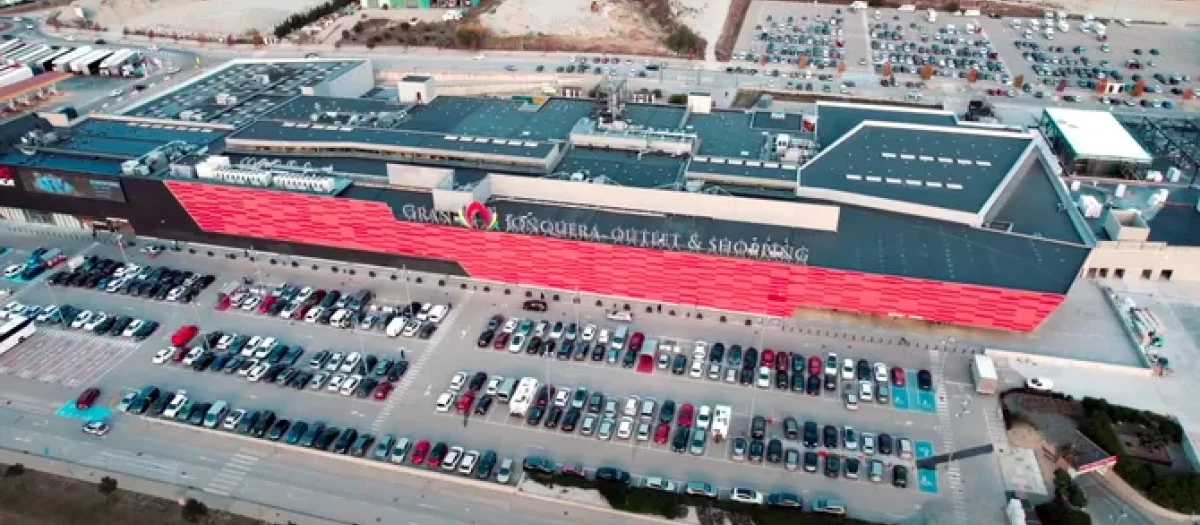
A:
72,185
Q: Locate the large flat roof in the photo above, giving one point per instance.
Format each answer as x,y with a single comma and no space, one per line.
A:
625,168
1096,135
499,118
299,132
836,119
947,167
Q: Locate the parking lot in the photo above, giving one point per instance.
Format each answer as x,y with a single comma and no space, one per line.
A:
936,420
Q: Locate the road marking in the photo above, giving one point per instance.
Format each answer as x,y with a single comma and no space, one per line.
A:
231,475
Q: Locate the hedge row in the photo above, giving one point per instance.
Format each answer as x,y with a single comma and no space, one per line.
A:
1156,423
1178,491
299,20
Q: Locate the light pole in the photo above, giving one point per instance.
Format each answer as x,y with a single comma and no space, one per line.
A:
1121,516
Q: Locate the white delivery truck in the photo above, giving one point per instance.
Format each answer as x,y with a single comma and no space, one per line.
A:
983,373
522,397
720,421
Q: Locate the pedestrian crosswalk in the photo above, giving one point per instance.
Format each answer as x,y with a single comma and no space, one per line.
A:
946,423
227,480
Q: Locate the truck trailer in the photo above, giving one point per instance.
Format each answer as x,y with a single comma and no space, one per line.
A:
47,62
15,75
14,51
9,44
23,57
983,373
90,64
63,63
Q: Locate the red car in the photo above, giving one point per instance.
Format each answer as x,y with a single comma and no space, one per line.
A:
184,335
636,340
545,394
574,469
898,376
686,413
662,432
179,354
465,401
501,341
436,455
56,260
382,391
300,312
266,303
768,357
87,398
419,452
782,361
223,303
814,365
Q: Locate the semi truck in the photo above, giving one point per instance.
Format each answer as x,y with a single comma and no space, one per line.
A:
14,75
89,64
112,65
983,374
23,57
47,62
63,63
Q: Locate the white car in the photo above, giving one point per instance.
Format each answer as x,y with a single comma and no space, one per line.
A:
493,385
516,343
225,340
304,294
1040,384
192,356
467,464
96,320
881,372
589,333
625,428
539,330
258,371
831,361
602,337
457,382
445,401
664,361
450,462
251,345
509,326
410,329
249,304
703,417
83,318
714,371
866,391
700,351
133,327
562,397
177,403
743,495
314,314
557,331
731,375
14,270
233,419
335,383
697,369
764,377
335,361
350,363
48,313
162,356
350,384
848,369
246,367
868,443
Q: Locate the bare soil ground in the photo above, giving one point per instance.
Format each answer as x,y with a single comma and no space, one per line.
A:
37,498
227,17
616,26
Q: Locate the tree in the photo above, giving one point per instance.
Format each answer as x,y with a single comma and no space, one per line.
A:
107,485
1057,513
683,40
193,510
14,470
470,36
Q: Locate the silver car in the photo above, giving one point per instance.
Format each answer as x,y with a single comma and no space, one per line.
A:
699,438
588,426
606,428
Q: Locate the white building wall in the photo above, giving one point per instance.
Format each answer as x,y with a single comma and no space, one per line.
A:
1136,258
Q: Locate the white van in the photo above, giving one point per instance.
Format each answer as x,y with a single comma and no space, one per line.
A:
216,414
505,390
438,312
620,315
619,335
339,318
396,326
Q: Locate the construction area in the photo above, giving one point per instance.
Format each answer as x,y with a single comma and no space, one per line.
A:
186,18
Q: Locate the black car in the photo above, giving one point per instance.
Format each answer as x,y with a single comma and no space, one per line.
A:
581,351
746,377
863,370
278,430
325,440
554,417
485,338
811,461
924,380
247,423
775,451
758,427
830,382
853,466
798,364
750,360
629,359
344,440
534,345
120,326
397,371
735,356
197,413
667,412
104,326
781,380
366,386
548,348
679,365
811,434
361,445
219,362
203,362
427,331
791,429
812,385
535,306
756,450
483,405
830,436
598,353
233,364
798,383
265,420
570,420
295,432
884,443
716,354
311,434
596,403
564,351
536,412
612,475
900,476
833,466
160,406
680,441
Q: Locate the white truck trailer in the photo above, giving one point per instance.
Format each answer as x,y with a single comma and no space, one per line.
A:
983,373
63,63
15,75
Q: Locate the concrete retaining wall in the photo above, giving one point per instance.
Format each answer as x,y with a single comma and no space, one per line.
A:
1014,355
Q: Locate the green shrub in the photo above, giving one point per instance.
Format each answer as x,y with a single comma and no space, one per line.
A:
1138,474
193,510
107,485
14,470
1178,492
1099,428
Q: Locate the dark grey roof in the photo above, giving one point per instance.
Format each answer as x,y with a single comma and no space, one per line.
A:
776,121
654,115
623,167
936,166
836,119
302,107
754,169
1177,222
1033,208
287,131
726,134
499,118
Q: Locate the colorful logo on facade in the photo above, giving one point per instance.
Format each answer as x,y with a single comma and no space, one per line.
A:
6,177
478,217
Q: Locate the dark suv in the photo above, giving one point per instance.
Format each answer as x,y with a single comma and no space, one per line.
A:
810,434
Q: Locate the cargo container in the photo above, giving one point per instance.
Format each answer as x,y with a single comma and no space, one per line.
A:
15,75
89,64
23,56
47,62
38,63
63,63
983,373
